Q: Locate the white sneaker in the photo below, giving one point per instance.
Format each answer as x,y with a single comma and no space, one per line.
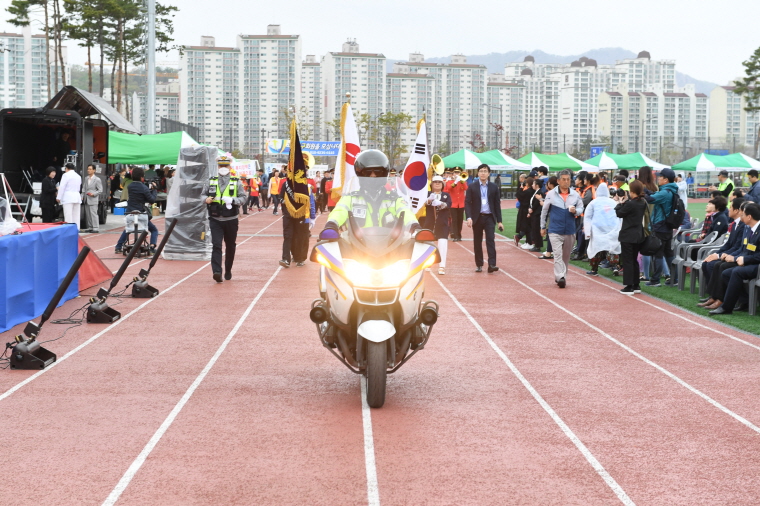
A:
526,246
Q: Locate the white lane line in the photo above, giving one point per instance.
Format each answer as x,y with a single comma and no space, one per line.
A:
600,470
115,324
373,492
275,221
130,265
641,357
140,460
33,377
575,270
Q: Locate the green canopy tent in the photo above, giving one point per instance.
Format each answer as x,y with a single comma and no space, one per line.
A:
706,163
463,159
468,160
632,161
556,162
496,158
159,149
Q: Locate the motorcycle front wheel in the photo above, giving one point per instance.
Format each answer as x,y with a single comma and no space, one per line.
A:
377,359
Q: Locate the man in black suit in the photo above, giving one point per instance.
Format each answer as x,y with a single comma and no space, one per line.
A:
483,205
715,263
746,263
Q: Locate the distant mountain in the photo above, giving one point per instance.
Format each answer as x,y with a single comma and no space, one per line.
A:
608,55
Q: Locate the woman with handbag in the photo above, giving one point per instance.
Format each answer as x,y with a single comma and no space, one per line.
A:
632,235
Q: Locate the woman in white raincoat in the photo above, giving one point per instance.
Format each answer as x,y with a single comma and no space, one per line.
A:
601,227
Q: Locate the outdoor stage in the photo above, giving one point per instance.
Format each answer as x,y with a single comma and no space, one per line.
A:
525,394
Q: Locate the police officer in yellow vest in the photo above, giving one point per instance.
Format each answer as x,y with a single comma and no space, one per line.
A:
378,198
225,195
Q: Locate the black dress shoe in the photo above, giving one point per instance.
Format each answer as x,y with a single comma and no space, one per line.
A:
218,277
719,310
741,307
701,301
561,283
479,269
228,275
492,269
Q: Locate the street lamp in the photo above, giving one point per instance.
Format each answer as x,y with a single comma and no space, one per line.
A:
501,121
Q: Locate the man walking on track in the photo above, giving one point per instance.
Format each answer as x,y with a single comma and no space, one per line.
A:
561,206
225,195
483,205
92,187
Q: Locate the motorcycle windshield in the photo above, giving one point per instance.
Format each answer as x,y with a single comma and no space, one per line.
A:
379,218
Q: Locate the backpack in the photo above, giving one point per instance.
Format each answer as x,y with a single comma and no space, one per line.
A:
677,213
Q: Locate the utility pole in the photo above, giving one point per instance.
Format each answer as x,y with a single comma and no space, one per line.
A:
151,67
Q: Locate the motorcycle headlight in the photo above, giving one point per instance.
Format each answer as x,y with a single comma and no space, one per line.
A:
362,275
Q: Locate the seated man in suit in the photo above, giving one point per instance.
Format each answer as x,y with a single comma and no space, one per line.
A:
483,204
715,263
746,263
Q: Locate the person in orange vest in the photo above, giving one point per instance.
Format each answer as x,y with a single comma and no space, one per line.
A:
456,187
253,195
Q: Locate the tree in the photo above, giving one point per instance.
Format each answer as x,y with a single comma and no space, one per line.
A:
333,128
444,149
476,143
285,117
366,127
236,153
749,86
390,127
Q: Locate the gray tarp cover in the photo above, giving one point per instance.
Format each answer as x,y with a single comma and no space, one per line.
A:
191,239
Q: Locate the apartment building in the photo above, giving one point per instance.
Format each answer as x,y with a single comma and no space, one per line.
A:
167,106
646,121
311,99
362,75
269,86
729,122
209,78
560,107
23,74
412,94
505,108
239,96
458,118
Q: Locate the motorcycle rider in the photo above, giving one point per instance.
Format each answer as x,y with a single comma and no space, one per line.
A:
371,198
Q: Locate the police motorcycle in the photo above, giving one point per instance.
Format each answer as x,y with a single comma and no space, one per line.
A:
371,313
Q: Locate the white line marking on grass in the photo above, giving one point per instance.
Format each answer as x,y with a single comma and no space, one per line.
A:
641,357
600,470
373,493
140,460
115,324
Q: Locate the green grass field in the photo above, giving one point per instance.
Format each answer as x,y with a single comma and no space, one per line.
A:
683,299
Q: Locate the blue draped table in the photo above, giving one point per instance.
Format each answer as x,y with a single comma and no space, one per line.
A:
33,265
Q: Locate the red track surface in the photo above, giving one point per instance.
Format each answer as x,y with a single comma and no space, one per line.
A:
525,394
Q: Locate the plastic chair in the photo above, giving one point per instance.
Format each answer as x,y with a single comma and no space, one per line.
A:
681,264
696,270
753,287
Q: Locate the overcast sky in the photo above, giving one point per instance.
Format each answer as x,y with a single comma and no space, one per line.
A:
708,39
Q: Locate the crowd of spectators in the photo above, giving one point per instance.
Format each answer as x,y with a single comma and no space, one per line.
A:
632,225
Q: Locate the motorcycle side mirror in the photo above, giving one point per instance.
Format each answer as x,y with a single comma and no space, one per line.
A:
424,235
329,234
